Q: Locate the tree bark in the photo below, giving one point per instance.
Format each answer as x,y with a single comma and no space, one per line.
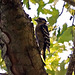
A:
20,51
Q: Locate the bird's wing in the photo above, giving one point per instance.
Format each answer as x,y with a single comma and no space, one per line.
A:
45,32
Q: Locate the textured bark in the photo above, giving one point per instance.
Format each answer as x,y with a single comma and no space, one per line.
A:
21,54
70,67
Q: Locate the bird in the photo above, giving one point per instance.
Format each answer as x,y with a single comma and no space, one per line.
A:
42,36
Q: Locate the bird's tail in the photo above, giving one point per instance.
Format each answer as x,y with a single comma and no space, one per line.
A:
44,49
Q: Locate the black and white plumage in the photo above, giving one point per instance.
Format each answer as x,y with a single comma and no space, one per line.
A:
42,35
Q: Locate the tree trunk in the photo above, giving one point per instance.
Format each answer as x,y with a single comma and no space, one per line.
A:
19,50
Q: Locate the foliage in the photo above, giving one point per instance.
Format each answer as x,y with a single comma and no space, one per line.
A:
63,35
2,63
53,18
72,11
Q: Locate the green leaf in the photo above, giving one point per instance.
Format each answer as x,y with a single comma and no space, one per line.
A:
51,72
62,70
41,3
33,1
64,28
55,12
46,11
50,1
27,5
41,6
33,20
39,10
66,36
26,2
53,18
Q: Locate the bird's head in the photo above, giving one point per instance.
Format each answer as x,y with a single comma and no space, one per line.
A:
41,21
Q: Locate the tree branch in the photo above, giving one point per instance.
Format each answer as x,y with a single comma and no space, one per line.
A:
62,9
70,66
70,2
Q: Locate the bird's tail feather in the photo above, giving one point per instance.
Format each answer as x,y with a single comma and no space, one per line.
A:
44,49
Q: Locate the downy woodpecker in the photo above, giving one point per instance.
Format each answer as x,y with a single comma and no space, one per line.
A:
42,35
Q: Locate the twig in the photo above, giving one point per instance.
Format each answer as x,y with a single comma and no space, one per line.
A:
73,20
62,9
